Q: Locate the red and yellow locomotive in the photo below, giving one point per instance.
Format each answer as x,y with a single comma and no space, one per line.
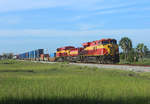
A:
68,53
101,51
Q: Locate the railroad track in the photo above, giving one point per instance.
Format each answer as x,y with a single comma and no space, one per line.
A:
132,65
117,64
134,68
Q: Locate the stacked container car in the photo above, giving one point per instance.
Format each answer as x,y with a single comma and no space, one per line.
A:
23,56
44,56
52,57
38,54
32,55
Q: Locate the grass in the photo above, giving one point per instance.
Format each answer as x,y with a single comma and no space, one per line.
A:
37,83
146,61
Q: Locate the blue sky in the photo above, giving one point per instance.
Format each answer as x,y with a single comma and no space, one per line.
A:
31,24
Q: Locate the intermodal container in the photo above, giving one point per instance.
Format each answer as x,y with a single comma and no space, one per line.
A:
52,55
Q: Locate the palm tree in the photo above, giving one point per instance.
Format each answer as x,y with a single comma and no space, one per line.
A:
4,55
126,45
145,50
142,50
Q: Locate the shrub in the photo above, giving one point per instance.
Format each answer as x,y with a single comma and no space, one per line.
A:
122,56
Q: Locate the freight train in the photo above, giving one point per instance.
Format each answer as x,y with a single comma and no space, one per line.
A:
104,51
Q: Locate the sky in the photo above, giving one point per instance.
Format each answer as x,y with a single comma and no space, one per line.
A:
32,24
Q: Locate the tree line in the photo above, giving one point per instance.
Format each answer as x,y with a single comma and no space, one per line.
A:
131,54
7,56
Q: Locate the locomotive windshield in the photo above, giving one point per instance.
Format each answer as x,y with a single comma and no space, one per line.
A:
105,42
108,42
113,42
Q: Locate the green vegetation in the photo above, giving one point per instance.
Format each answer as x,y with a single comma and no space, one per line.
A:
37,83
142,50
7,56
145,61
132,55
126,44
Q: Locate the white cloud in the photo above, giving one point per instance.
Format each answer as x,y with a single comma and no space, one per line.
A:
86,26
62,33
122,10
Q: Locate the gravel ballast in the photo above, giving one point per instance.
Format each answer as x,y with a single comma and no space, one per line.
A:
122,67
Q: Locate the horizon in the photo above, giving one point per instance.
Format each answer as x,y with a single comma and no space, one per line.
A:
28,24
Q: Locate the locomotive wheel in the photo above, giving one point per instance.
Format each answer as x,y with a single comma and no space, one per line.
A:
101,61
107,61
98,60
85,59
81,58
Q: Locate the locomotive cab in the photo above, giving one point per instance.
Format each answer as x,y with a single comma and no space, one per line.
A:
111,46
